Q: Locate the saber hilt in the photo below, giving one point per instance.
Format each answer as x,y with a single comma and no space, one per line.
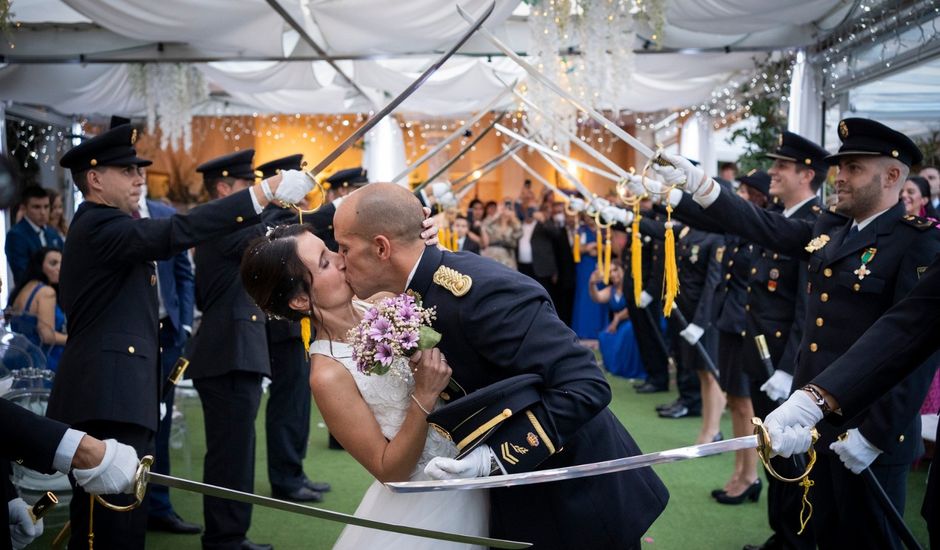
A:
140,487
176,375
42,506
764,450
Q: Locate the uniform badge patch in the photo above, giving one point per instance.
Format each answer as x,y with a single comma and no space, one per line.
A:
817,243
532,439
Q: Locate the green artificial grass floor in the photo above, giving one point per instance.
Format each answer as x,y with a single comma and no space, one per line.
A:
692,519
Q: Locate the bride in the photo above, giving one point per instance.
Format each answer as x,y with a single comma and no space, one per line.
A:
379,419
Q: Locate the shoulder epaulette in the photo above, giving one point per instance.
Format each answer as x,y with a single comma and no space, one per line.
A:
457,283
918,222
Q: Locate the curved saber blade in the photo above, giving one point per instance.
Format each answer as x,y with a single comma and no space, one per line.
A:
538,177
285,506
548,151
485,169
601,119
581,470
355,136
454,135
460,154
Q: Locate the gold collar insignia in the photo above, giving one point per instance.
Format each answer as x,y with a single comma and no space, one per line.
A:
457,283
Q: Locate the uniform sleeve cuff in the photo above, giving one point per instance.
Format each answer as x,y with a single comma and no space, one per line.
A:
66,450
709,197
254,201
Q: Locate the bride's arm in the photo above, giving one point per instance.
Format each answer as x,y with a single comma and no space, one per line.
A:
352,423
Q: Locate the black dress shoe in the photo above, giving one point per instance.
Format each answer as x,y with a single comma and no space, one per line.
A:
650,388
769,544
172,524
752,493
679,411
317,486
301,494
719,437
248,545
664,406
716,492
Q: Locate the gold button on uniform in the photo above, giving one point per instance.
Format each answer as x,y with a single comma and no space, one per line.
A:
813,347
824,297
254,317
239,219
856,287
901,438
743,333
778,334
728,277
819,321
130,349
747,307
827,272
445,396
753,271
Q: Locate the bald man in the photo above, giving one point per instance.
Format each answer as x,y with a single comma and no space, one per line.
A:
497,323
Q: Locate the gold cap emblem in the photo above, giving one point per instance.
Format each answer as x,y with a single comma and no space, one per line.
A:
93,162
894,153
843,129
134,136
808,161
224,173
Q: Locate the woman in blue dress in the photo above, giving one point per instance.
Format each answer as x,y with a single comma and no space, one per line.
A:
36,312
587,318
618,345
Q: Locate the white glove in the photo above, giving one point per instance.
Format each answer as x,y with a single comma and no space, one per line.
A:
115,474
475,464
692,179
294,186
439,188
645,299
856,452
778,386
613,214
162,411
789,424
692,333
22,529
789,441
576,204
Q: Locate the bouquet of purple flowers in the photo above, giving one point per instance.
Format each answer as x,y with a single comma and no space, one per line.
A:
393,328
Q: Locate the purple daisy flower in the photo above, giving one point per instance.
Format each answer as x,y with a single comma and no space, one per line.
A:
379,328
384,355
409,339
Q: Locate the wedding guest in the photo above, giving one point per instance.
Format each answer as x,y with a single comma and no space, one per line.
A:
618,346
464,239
35,299
57,219
31,233
915,194
587,318
475,221
502,231
932,175
536,254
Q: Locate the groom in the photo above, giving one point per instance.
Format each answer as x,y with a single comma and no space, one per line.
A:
497,323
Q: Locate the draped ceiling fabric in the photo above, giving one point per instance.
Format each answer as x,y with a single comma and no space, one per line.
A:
406,35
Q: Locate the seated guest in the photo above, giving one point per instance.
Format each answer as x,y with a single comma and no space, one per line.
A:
464,241
31,233
37,315
618,345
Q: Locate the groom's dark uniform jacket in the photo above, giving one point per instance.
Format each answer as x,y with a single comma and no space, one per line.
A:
497,323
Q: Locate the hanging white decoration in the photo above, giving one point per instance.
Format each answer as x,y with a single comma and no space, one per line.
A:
605,69
171,91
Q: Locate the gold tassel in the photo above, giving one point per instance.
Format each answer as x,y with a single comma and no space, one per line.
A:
440,237
671,271
806,484
456,242
91,522
576,247
607,250
636,255
306,333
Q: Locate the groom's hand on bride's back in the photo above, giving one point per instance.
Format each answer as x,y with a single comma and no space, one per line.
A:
432,374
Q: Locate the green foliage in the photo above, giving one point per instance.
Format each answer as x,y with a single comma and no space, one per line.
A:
929,145
765,98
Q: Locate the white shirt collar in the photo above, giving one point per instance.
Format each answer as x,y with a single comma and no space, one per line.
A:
143,209
411,275
787,212
862,224
36,228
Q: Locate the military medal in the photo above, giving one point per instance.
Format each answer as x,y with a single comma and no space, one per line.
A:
695,249
684,232
867,257
817,243
774,274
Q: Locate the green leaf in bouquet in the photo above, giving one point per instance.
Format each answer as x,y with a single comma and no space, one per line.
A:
428,337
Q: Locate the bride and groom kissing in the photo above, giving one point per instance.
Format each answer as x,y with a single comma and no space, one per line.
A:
495,324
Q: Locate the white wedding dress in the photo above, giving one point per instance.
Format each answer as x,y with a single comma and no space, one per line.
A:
464,512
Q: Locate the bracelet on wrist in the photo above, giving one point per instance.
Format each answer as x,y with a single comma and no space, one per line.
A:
818,399
420,406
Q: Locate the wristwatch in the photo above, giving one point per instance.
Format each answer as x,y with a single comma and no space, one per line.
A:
817,398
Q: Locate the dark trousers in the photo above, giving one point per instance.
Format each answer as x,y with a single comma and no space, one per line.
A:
784,500
287,418
845,514
650,341
690,389
931,508
230,404
564,301
112,530
158,495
